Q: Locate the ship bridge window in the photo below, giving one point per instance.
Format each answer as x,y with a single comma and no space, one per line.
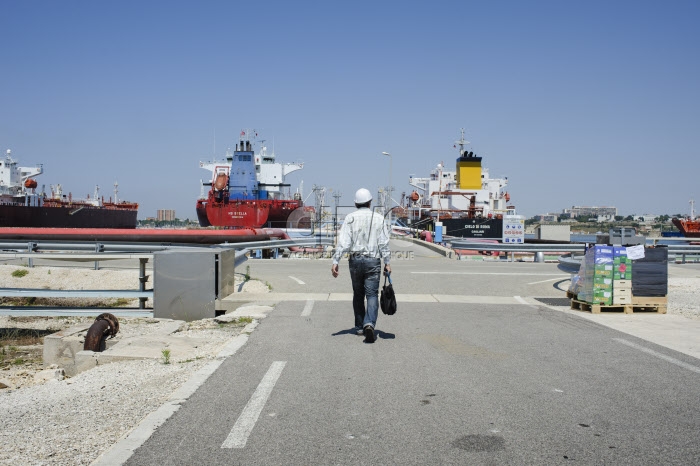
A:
244,158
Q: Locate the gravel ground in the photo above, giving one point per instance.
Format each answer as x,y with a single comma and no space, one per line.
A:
50,419
684,297
73,420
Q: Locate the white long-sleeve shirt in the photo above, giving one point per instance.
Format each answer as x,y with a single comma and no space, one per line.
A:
356,237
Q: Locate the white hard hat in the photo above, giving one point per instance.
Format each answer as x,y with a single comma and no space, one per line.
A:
362,196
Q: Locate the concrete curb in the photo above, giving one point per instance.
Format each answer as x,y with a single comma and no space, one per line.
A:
447,252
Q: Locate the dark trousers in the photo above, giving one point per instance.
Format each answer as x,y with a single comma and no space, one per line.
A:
364,273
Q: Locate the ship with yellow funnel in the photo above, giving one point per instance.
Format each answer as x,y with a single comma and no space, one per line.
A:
466,201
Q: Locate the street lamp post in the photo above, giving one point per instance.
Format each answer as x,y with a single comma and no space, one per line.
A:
391,188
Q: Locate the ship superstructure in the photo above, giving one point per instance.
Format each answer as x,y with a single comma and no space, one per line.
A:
18,182
248,189
466,200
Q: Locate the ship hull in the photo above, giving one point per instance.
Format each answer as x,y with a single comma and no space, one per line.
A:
245,213
66,217
202,214
236,214
689,228
280,211
490,228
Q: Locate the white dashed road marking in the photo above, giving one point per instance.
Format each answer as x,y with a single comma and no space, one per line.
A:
563,277
297,280
307,308
521,300
246,421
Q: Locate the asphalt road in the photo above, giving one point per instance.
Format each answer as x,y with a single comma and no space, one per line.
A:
417,270
496,381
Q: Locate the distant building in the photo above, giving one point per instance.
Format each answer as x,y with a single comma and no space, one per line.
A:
579,211
646,218
165,215
546,217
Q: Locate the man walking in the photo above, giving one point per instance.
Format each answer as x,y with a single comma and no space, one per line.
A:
366,237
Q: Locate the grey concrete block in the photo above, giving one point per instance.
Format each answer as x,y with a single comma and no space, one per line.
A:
84,360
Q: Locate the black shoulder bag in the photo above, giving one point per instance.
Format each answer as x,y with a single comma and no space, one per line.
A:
387,300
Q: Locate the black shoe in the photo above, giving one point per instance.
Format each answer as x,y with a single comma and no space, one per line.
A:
369,334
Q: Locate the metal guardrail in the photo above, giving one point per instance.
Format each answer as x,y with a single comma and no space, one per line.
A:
683,252
116,247
551,247
475,246
96,252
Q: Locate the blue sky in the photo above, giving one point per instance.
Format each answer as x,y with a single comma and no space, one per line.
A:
578,103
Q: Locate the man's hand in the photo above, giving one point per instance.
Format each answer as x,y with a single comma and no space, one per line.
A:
334,270
387,269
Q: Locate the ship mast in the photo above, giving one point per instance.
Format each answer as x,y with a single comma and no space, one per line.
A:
692,209
462,142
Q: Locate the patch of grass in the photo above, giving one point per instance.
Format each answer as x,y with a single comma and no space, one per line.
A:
166,356
245,320
267,284
14,337
19,273
18,362
190,360
247,273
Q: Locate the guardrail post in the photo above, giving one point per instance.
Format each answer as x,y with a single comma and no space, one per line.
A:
683,258
99,248
30,248
143,278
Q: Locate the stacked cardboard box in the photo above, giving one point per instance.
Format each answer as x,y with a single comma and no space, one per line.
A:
596,283
622,276
622,266
607,275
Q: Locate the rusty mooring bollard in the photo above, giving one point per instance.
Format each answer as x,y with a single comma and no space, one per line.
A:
105,325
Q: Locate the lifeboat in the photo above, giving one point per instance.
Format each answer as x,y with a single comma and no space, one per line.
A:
221,182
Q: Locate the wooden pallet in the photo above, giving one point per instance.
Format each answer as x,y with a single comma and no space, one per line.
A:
570,295
639,303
